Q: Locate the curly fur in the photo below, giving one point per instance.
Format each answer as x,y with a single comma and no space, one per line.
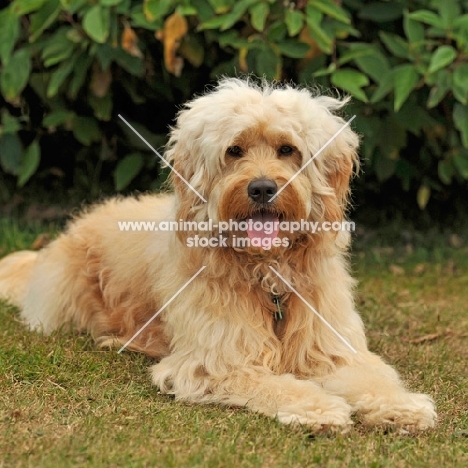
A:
218,340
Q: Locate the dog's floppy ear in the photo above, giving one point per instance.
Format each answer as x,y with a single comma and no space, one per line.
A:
343,163
183,177
339,160
194,146
193,152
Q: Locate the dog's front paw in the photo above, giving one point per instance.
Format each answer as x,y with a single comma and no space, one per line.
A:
333,415
412,411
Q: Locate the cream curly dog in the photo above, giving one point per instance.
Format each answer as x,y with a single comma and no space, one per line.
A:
238,334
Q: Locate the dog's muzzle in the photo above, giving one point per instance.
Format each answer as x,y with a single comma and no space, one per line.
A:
261,190
263,223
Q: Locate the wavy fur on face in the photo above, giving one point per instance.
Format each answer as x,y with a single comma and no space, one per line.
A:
218,340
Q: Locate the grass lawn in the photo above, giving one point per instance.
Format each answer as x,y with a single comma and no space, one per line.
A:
64,403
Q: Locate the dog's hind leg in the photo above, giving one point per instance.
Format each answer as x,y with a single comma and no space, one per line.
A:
68,284
46,303
15,272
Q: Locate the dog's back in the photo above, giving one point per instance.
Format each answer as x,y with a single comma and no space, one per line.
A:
94,276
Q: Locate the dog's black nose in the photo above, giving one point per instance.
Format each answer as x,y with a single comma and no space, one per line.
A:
261,190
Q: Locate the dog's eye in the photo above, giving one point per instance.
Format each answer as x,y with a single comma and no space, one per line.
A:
285,150
235,151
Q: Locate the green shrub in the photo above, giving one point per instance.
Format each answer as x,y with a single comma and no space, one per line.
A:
69,67
411,76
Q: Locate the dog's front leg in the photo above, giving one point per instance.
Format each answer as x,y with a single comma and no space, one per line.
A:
375,391
292,401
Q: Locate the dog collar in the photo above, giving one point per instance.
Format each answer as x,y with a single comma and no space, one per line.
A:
278,311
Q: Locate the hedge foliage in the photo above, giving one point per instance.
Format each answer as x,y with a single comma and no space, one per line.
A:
69,67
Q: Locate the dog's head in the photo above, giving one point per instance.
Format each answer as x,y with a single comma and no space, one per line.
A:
242,147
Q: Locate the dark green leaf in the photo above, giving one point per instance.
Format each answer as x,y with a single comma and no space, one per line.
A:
221,6
294,20
43,18
11,152
405,79
186,10
258,15
446,171
73,6
413,29
127,169
324,41
58,49
232,39
267,63
9,32
9,124
96,23
384,167
426,17
356,50
277,31
331,9
392,138
460,83
214,23
204,9
102,107
371,128
460,161
293,49
459,94
86,130
440,89
139,20
110,2
192,49
236,13
155,9
395,44
461,22
376,65
124,7
14,76
58,117
133,65
29,163
351,81
59,76
38,82
460,119
404,171
381,12
385,86
449,10
107,54
325,71
444,55
79,74
24,7
414,118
